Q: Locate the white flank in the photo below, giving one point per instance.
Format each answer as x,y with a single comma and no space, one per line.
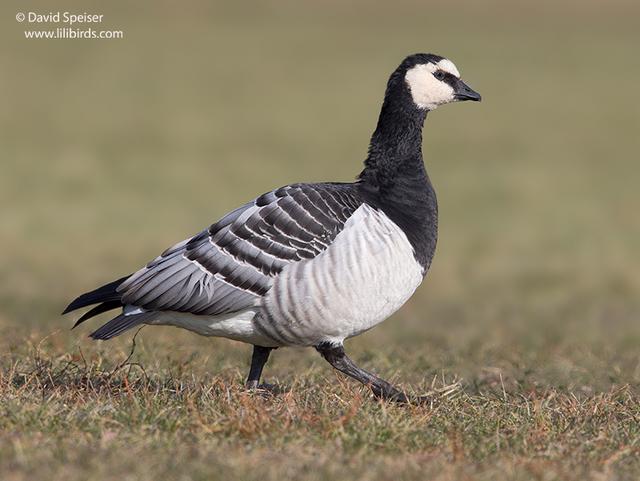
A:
365,275
238,326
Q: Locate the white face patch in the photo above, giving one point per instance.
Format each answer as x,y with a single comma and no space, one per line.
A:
427,91
448,66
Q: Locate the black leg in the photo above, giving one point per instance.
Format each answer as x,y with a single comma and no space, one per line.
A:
258,360
336,356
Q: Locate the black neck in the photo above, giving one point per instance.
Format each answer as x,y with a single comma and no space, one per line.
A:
396,145
394,178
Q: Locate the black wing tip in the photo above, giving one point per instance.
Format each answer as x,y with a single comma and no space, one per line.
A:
103,333
118,325
105,293
97,310
73,305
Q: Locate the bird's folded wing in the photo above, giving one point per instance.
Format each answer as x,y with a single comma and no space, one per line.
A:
232,264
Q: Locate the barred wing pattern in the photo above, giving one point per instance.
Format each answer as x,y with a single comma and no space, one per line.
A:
231,265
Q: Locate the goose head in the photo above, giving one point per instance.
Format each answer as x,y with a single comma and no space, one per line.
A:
431,81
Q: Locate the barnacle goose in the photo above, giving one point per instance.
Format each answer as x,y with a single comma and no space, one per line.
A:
307,264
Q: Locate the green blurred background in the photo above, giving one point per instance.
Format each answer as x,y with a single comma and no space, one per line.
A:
112,150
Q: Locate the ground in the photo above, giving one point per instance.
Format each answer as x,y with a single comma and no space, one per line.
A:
525,332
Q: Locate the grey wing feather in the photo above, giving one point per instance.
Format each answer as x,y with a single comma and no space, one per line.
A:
232,264
119,324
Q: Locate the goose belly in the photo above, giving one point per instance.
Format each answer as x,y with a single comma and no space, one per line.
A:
363,277
238,326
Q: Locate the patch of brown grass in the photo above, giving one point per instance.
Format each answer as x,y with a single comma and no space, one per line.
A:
65,411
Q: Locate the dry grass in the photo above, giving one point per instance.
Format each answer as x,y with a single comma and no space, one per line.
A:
70,416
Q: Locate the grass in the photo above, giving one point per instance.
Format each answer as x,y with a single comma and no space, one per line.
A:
84,417
526,328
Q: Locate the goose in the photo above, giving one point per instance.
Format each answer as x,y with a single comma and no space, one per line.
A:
309,264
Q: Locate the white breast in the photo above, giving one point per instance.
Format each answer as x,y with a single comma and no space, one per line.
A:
367,274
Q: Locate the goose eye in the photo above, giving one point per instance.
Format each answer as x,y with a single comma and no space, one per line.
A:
439,74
